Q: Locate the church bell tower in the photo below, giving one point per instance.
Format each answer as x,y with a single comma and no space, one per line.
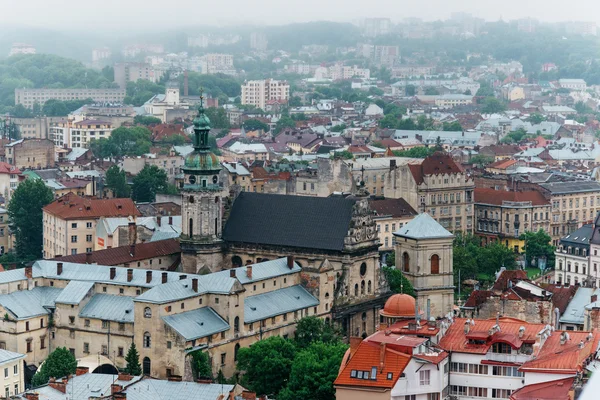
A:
201,204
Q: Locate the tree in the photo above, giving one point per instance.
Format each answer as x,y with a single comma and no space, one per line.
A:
150,181
410,90
313,372
25,214
255,125
146,120
515,137
60,363
284,122
218,117
415,152
397,282
266,365
536,118
492,105
482,160
431,91
201,365
338,128
390,121
452,126
313,329
123,141
344,154
116,180
132,358
537,245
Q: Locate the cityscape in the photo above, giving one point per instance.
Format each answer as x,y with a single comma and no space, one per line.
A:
365,205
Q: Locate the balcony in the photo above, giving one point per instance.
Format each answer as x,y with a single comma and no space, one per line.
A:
509,358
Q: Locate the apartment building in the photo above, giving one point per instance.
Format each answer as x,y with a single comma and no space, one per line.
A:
504,216
438,186
573,204
453,100
70,222
12,376
9,180
573,259
171,164
29,96
134,71
30,153
258,41
67,133
259,92
6,240
390,215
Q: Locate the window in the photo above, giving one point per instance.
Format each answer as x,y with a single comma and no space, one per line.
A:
104,324
16,369
223,358
120,352
121,326
74,239
88,225
42,342
29,346
6,372
147,340
405,262
74,225
147,312
88,238
104,350
86,348
435,264
424,377
86,322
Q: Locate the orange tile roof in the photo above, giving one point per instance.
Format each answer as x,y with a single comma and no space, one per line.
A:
455,338
71,206
502,164
555,357
369,355
555,390
6,168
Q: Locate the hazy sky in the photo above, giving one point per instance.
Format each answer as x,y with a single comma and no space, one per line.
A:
104,14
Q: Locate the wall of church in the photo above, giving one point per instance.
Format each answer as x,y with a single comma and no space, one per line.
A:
535,312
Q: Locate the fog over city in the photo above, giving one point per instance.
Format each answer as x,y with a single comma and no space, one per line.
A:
126,15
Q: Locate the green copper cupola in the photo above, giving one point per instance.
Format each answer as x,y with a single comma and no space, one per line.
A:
201,167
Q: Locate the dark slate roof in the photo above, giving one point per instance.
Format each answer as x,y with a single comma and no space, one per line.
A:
580,238
295,221
572,187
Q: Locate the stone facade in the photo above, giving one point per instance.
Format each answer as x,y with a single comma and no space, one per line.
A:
536,312
31,153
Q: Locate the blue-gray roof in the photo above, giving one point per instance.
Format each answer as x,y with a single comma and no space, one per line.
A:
12,275
172,291
153,389
261,271
83,387
423,227
26,304
8,356
277,302
196,324
575,310
74,292
109,307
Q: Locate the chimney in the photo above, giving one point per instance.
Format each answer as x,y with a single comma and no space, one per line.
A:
290,262
81,371
125,377
467,327
119,396
129,274
60,386
232,273
417,316
32,396
28,272
113,273
249,271
170,220
132,250
132,233
148,276
165,277
354,343
158,220
88,257
382,326
195,285
594,298
428,309
115,388
59,268
381,356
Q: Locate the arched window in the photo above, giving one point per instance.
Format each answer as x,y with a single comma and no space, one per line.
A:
147,312
364,316
568,267
235,351
405,262
435,264
191,227
146,366
362,287
363,269
560,266
236,324
369,287
147,340
236,261
356,289
576,268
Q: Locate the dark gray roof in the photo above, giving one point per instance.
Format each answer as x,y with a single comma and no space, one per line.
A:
571,187
277,302
295,221
581,237
197,323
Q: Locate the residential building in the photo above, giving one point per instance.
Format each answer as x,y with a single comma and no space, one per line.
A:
21,48
453,100
30,96
71,134
70,222
503,216
117,232
380,55
247,152
373,27
390,215
259,92
9,180
573,84
439,186
424,254
572,259
574,203
101,54
170,163
134,71
215,63
33,128
12,376
258,41
6,239
30,153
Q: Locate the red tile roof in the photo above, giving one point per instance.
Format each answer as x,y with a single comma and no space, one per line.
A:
127,254
477,298
561,296
436,164
554,390
397,208
455,338
6,168
369,355
389,143
512,275
566,358
497,197
71,206
502,164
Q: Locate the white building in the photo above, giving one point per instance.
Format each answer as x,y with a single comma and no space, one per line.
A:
574,84
258,41
573,258
21,48
258,93
11,373
29,96
102,53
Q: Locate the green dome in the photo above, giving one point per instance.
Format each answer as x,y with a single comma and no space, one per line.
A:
202,121
202,161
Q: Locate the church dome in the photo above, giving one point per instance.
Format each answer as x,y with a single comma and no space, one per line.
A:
202,161
399,306
202,121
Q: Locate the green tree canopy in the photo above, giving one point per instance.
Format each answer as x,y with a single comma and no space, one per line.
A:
146,120
25,214
515,136
150,181
266,365
60,363
116,180
397,281
313,372
255,125
142,90
452,126
482,160
492,105
201,365
284,122
415,152
312,329
123,141
132,358
218,117
538,244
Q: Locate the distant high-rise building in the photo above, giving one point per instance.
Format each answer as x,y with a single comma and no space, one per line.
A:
258,41
258,93
21,48
377,27
131,72
28,97
99,54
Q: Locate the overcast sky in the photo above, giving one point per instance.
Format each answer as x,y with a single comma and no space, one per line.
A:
153,14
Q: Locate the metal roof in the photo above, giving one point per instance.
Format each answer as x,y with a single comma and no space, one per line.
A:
12,275
152,389
423,227
575,310
25,304
277,302
571,187
171,291
260,271
109,307
8,356
74,292
196,324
